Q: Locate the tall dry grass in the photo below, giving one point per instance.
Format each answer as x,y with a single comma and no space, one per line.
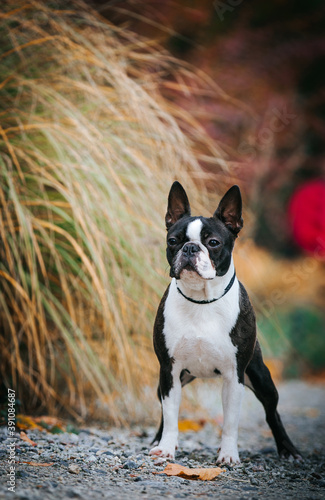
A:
88,149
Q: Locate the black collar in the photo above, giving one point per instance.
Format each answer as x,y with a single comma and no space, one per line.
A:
231,282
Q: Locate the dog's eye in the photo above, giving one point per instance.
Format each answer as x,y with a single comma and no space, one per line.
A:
172,241
214,243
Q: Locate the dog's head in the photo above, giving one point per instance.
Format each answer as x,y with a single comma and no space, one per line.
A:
199,245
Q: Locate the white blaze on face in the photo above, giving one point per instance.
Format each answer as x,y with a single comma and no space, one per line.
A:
194,230
203,264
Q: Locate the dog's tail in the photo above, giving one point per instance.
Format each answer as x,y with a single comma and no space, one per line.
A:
158,435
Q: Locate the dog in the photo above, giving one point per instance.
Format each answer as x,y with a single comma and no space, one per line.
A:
205,325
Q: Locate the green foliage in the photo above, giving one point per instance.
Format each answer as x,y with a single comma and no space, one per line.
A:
296,336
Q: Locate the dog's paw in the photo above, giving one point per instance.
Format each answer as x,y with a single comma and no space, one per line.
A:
160,451
228,456
289,451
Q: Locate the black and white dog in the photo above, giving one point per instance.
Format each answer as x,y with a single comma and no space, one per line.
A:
205,324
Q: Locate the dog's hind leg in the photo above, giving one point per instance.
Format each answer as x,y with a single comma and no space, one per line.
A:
260,381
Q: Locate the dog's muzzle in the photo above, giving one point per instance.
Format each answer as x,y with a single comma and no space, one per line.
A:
193,257
186,259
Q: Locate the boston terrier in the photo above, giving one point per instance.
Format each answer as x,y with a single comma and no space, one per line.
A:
205,325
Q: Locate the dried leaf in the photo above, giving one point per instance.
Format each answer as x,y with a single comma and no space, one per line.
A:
190,425
25,438
51,424
25,422
37,464
50,421
204,474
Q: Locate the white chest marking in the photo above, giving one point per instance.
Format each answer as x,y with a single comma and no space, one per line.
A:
197,336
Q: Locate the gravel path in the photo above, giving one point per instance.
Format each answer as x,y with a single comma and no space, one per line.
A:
114,463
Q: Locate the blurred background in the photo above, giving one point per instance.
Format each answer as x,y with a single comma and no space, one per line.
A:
103,105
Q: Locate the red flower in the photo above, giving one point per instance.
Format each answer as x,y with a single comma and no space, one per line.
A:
307,217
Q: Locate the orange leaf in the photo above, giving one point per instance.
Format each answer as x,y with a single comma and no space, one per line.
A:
42,423
50,421
37,464
204,474
26,422
190,425
24,437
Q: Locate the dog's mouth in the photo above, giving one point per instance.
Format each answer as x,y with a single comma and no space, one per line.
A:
189,267
192,266
184,268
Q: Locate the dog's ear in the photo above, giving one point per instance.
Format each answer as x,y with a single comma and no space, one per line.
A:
229,210
178,204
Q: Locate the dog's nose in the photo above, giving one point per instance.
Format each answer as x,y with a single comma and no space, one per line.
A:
190,249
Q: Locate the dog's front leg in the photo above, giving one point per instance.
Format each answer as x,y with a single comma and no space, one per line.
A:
232,395
170,401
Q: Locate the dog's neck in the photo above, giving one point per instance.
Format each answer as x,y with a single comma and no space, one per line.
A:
197,288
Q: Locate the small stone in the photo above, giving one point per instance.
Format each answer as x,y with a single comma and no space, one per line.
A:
60,461
22,474
254,481
129,464
102,472
73,469
159,461
258,468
